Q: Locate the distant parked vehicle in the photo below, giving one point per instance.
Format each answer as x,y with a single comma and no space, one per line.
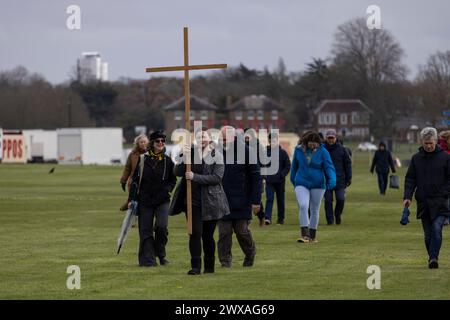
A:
367,146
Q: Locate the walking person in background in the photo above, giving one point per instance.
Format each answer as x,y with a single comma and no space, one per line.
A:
343,166
382,161
312,173
428,178
275,183
209,202
242,185
444,140
255,147
444,143
140,146
156,179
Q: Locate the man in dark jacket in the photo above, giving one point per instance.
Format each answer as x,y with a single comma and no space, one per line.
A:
343,165
382,160
275,183
242,184
428,176
255,147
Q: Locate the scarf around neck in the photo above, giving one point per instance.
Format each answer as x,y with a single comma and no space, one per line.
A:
156,156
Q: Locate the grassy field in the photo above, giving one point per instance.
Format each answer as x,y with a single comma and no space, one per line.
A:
48,222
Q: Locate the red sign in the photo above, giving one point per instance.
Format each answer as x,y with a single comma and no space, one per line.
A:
13,148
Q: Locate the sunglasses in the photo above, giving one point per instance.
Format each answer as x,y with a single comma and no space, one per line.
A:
160,141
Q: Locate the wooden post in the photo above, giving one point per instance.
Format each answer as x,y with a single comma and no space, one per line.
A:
187,109
187,113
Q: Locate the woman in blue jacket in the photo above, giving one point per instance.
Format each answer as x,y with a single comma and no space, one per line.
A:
312,173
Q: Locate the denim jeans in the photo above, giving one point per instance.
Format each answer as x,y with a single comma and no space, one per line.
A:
340,200
432,230
382,182
271,190
309,199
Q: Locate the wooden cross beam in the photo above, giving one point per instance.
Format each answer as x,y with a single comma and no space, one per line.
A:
187,108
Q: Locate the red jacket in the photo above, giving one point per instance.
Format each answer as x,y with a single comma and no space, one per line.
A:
443,145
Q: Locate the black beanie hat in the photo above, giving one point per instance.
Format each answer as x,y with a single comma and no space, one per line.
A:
157,134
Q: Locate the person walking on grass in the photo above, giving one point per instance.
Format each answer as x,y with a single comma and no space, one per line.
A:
275,183
140,146
343,166
428,178
255,147
382,161
209,202
312,172
444,140
155,177
242,185
444,143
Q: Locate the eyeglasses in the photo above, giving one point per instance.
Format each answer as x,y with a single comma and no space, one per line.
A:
160,141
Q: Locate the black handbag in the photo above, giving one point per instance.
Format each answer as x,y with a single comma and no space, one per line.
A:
394,182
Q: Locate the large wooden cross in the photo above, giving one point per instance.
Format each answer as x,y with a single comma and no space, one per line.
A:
187,109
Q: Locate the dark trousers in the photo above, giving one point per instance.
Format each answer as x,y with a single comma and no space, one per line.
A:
243,235
340,200
273,189
432,230
152,233
382,181
202,231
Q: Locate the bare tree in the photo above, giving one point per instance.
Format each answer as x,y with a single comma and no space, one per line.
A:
368,65
373,56
433,84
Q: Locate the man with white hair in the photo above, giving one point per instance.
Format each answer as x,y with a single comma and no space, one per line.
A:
242,184
428,177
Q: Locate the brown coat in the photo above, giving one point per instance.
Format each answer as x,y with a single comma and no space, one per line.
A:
130,166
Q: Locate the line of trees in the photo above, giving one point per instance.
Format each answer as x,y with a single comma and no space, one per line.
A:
364,64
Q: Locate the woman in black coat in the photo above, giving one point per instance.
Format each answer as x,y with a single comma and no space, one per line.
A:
382,161
209,202
155,178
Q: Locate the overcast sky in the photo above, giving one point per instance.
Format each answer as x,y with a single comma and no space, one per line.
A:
131,35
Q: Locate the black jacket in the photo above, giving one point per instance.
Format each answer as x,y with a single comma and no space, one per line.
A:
158,180
342,164
428,176
242,183
382,160
284,166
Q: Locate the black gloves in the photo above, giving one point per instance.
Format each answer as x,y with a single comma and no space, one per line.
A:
348,183
123,186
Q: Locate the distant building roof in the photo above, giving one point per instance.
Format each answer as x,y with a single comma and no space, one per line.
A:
341,102
255,102
196,104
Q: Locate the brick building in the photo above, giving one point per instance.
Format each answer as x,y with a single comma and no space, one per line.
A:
349,117
258,112
201,109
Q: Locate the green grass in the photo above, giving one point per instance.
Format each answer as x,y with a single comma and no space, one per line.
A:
48,222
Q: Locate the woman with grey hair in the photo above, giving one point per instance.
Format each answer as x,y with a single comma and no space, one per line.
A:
428,177
140,146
